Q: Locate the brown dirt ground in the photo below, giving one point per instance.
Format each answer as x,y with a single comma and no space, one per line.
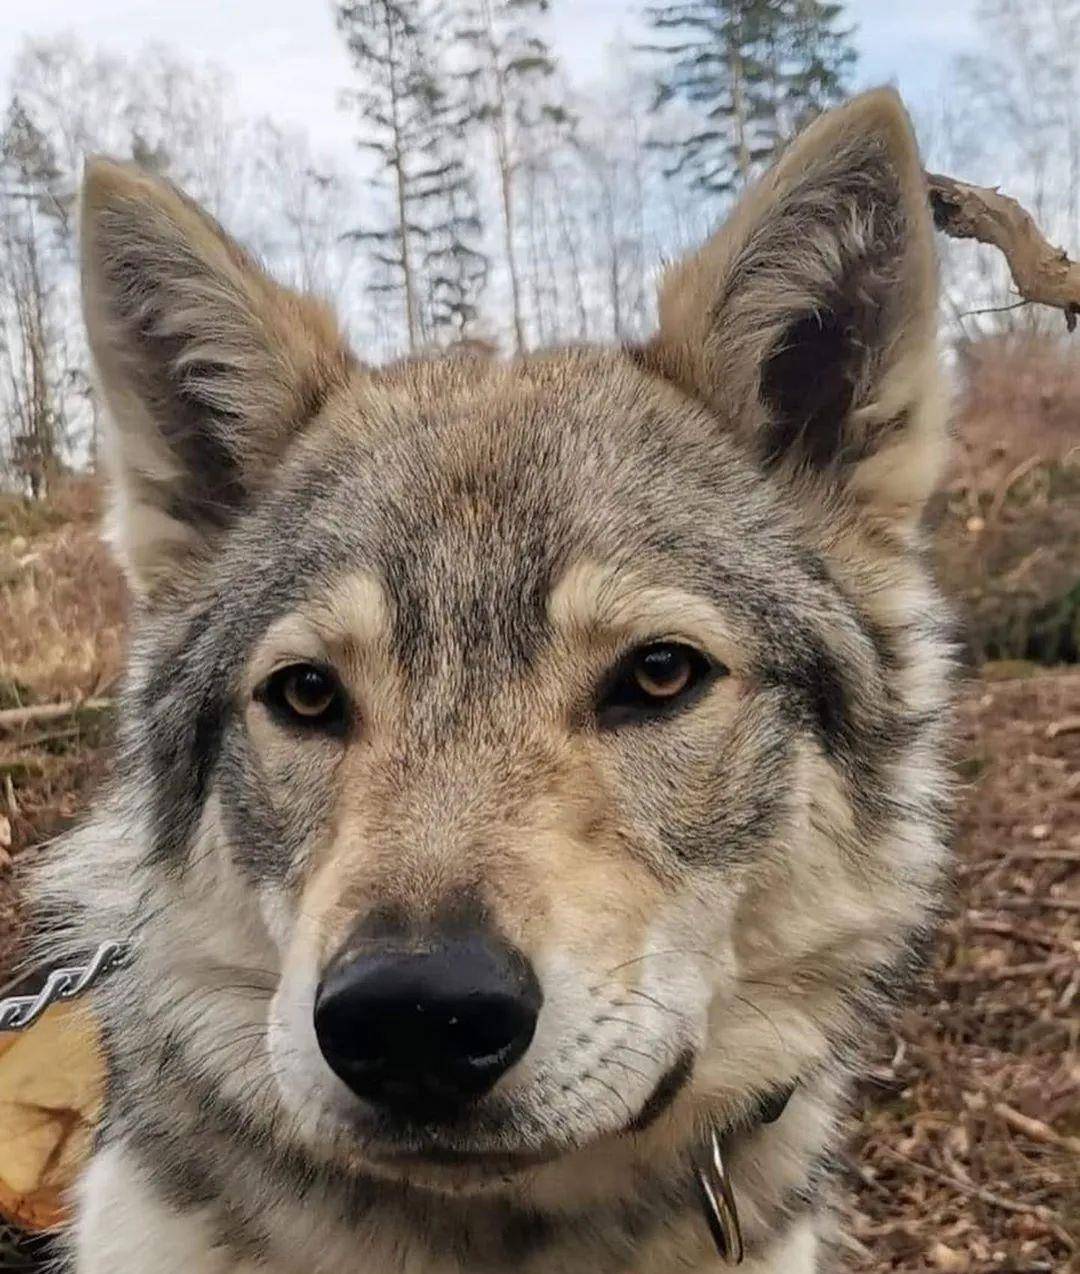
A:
945,1173
960,1158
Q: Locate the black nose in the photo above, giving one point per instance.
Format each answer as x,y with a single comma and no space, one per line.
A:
424,1031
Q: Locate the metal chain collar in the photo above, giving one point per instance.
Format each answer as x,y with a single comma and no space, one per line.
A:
21,1011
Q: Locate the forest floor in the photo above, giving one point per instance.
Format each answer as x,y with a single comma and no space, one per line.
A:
965,1150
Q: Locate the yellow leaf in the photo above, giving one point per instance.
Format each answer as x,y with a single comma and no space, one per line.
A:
52,1081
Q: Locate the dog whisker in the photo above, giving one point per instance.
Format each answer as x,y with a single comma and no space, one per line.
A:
609,1060
592,1077
622,1021
765,1017
627,1048
666,1008
657,955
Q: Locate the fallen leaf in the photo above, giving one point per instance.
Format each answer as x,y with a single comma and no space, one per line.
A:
943,1257
52,1082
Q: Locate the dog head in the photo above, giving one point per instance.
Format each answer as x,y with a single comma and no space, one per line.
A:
566,731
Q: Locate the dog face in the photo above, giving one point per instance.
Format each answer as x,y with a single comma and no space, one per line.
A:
567,730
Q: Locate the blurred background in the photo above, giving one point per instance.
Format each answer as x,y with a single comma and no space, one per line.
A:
510,174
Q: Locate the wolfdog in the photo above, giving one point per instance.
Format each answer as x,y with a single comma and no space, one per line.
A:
532,776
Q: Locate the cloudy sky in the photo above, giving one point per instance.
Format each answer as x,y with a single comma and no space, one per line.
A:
288,61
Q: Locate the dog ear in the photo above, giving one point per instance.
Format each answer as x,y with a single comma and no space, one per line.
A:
207,366
808,320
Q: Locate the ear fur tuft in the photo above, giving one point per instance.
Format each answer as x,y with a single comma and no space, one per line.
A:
808,321
208,367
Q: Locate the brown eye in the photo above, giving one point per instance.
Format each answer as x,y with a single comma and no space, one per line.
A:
663,671
654,681
305,694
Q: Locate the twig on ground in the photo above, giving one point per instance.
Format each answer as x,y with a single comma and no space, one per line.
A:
38,713
1067,725
1019,856
1036,1129
990,1197
1021,933
1049,904
1034,969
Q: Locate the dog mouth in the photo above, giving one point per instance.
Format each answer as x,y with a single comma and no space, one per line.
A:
477,1163
667,1089
479,1148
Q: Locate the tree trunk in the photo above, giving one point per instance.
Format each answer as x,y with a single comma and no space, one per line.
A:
398,163
505,160
611,233
42,427
570,247
738,108
506,182
406,256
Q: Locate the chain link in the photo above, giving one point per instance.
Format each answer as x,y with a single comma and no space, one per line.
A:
20,1011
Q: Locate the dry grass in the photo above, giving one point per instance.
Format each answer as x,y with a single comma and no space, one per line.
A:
62,600
1010,517
63,607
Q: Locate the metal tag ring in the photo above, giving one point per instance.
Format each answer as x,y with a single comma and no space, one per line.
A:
718,1202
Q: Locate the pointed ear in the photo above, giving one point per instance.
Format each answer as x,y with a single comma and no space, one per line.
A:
808,321
208,368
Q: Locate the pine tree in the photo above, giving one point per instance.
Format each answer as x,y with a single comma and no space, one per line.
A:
427,248
751,71
511,95
818,59
456,269
454,262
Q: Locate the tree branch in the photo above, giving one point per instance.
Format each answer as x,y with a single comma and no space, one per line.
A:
1043,274
39,713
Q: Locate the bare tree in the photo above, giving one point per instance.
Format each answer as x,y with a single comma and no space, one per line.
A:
512,92
427,249
31,394
308,205
615,161
173,118
170,115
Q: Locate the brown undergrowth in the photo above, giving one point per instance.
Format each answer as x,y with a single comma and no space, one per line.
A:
1008,534
966,1154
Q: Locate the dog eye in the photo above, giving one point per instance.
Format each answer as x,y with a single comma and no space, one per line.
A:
305,694
652,680
662,672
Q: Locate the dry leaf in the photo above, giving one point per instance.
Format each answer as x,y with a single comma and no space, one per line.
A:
52,1081
943,1257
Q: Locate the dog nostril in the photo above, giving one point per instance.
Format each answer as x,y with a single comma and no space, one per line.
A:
426,1030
